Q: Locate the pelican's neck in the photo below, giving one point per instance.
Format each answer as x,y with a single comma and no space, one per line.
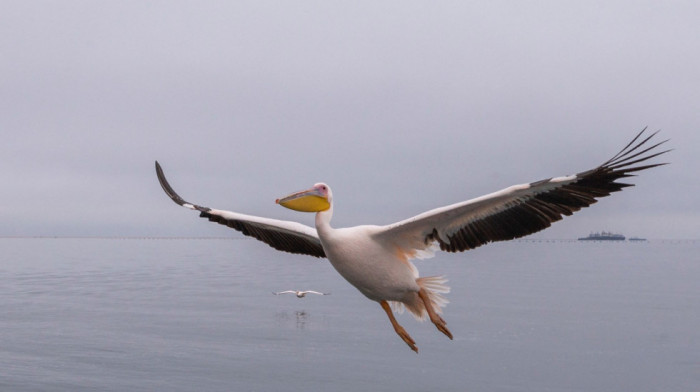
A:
323,221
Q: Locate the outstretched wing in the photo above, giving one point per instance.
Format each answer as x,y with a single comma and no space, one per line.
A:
287,236
518,210
284,292
316,292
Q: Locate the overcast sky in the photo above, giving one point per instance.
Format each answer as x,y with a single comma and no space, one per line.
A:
400,106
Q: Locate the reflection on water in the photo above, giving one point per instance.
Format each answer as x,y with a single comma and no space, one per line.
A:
301,318
298,317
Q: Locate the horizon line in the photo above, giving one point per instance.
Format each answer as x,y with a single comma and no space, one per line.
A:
160,237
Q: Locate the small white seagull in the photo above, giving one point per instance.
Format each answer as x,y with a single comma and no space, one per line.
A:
300,294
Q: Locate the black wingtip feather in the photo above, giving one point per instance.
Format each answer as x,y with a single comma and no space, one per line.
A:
540,210
171,192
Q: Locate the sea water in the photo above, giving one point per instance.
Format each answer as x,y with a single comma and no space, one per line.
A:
199,315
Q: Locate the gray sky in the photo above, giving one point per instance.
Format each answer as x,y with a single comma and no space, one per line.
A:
400,106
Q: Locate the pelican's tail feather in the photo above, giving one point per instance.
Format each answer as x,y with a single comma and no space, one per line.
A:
436,287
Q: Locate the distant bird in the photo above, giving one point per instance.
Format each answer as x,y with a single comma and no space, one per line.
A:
300,294
376,259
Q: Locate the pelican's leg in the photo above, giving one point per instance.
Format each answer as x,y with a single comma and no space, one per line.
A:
399,329
434,317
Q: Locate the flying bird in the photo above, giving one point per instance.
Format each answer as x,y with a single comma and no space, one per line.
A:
298,293
377,259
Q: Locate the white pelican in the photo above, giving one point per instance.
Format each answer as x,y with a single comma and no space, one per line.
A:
299,293
376,259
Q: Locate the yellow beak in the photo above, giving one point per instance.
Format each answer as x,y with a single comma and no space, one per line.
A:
310,200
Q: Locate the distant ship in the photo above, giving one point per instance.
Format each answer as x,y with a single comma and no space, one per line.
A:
603,236
637,239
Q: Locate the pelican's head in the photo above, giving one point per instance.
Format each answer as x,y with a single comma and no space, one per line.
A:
315,199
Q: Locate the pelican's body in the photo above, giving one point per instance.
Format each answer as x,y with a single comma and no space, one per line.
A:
382,273
376,259
300,293
342,247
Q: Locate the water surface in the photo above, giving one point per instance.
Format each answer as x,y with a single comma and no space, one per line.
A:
184,315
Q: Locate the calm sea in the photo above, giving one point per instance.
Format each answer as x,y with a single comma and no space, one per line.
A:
199,315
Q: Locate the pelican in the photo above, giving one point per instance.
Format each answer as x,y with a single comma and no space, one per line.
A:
299,293
377,259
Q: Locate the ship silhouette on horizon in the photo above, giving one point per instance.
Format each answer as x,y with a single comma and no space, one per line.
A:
603,236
